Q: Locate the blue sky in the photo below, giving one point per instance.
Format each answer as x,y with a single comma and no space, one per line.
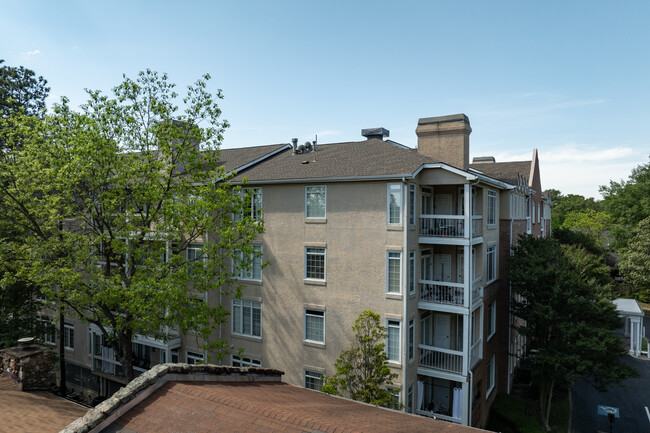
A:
569,78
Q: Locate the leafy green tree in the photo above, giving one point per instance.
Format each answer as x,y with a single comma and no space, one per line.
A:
362,371
21,92
566,319
128,212
628,202
634,262
565,204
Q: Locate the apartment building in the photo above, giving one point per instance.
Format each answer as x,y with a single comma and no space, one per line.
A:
420,236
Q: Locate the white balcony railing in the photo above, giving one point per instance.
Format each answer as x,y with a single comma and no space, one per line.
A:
441,292
476,352
452,226
441,359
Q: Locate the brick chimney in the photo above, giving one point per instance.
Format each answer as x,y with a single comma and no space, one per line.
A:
445,138
28,364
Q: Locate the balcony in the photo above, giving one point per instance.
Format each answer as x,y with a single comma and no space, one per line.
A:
437,358
442,399
449,226
440,292
477,291
476,352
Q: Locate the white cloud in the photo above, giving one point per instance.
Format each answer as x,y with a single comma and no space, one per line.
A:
32,53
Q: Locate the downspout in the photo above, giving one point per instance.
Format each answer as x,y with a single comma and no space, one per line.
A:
405,290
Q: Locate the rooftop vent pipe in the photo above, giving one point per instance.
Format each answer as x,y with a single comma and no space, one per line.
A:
295,144
378,133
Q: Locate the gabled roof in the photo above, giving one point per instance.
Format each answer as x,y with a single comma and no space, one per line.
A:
504,171
359,159
235,159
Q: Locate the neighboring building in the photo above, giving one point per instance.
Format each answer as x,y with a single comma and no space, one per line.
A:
420,236
208,398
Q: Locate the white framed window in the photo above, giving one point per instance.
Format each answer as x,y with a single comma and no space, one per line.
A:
394,272
68,336
315,259
491,263
411,204
247,318
315,325
491,368
394,204
491,319
313,380
252,203
393,337
397,395
411,276
243,361
255,272
163,357
48,329
492,207
409,399
194,254
315,201
411,340
193,358
174,356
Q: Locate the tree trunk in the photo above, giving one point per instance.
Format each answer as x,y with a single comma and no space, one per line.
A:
545,398
62,378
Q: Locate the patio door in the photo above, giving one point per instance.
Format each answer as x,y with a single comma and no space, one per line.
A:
441,330
443,204
442,267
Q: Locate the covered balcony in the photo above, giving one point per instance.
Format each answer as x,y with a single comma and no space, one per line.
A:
441,398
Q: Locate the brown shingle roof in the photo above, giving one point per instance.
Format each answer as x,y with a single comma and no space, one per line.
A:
504,171
263,406
34,411
370,158
232,159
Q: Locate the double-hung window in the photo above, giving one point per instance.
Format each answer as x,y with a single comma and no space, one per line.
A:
412,204
315,201
492,207
411,277
47,327
491,263
195,255
313,380
194,357
247,318
254,272
491,319
315,326
394,205
252,198
393,272
393,340
68,336
491,367
242,361
411,340
315,263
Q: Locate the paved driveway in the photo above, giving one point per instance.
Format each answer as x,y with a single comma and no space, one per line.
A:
632,398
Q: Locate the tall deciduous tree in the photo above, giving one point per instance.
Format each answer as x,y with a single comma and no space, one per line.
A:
566,319
362,371
563,205
634,262
129,213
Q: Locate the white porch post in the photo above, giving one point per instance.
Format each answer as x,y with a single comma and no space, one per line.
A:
464,410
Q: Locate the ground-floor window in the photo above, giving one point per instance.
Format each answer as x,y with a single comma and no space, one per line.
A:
313,380
243,361
194,358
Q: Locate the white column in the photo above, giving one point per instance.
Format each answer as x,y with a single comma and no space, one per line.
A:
464,410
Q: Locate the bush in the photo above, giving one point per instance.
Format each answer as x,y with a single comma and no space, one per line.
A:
508,415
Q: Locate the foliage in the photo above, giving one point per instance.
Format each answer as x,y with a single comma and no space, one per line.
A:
508,414
362,371
592,269
628,202
578,238
118,201
565,319
563,205
20,92
634,262
588,221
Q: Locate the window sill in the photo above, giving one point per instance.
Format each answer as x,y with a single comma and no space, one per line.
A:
315,282
394,364
315,220
313,344
397,296
394,228
246,337
254,282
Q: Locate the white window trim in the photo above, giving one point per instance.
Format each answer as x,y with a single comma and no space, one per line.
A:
324,254
312,374
241,303
245,361
305,314
399,267
396,324
412,204
491,194
487,263
412,278
492,319
401,210
196,356
243,274
66,328
411,340
307,187
491,375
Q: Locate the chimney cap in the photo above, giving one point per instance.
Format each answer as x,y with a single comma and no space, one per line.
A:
483,159
461,117
378,133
